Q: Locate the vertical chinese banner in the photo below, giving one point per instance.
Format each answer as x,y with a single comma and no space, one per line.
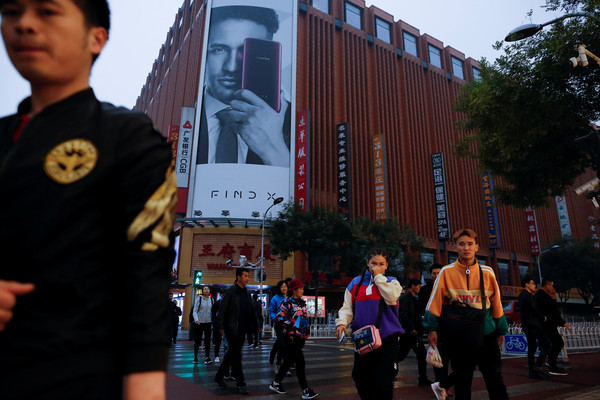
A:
343,173
563,216
534,240
302,158
379,177
173,140
490,210
441,202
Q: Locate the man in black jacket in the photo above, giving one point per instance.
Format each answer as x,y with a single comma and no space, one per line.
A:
86,208
553,320
531,321
410,318
235,318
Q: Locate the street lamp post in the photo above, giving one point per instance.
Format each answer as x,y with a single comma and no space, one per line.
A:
524,31
262,245
540,256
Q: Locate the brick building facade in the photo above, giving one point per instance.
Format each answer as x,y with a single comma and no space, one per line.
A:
382,76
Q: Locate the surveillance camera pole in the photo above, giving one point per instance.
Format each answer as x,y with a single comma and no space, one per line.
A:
262,246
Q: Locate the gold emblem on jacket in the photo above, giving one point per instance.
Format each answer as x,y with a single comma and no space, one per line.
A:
71,160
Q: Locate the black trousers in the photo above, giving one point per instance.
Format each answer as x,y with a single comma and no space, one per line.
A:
174,330
199,331
233,359
557,344
278,347
489,362
374,372
293,354
410,342
536,333
216,340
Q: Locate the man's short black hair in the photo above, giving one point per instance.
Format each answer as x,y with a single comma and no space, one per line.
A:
261,15
545,281
526,279
435,266
413,282
95,12
239,271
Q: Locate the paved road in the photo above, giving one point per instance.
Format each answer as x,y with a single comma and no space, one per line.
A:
329,367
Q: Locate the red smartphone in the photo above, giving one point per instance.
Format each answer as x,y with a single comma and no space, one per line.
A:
261,70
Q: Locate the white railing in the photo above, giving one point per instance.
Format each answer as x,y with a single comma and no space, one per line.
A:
585,336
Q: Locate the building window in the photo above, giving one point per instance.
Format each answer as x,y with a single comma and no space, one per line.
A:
321,5
523,270
476,74
457,68
435,56
410,43
504,279
383,30
353,15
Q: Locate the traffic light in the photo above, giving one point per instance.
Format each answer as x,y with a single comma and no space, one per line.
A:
197,278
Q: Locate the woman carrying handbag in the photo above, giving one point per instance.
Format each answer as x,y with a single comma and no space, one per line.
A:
371,305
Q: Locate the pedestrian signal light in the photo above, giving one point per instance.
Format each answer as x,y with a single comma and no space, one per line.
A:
197,277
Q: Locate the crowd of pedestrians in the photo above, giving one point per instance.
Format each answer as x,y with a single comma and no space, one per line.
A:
458,311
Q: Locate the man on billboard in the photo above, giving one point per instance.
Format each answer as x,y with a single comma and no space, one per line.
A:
245,115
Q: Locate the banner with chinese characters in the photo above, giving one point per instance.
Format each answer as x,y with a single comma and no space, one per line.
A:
184,149
210,253
534,240
563,216
379,177
441,202
491,212
343,162
301,194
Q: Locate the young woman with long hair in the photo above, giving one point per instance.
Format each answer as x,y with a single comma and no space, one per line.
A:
373,373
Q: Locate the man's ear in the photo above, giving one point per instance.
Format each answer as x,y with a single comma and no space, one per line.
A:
98,37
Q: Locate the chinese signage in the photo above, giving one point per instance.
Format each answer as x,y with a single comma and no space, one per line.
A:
441,201
343,173
184,149
172,140
302,160
534,240
210,253
510,291
491,212
563,216
379,177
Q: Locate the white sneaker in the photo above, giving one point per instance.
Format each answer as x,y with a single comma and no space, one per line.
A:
217,359
440,392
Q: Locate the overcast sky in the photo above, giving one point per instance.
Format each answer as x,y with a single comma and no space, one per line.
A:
139,28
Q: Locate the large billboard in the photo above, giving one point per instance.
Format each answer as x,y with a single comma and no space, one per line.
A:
243,145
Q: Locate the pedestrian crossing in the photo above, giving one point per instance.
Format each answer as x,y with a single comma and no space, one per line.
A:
329,372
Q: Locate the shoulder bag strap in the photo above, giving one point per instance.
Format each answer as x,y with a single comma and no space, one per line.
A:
482,288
